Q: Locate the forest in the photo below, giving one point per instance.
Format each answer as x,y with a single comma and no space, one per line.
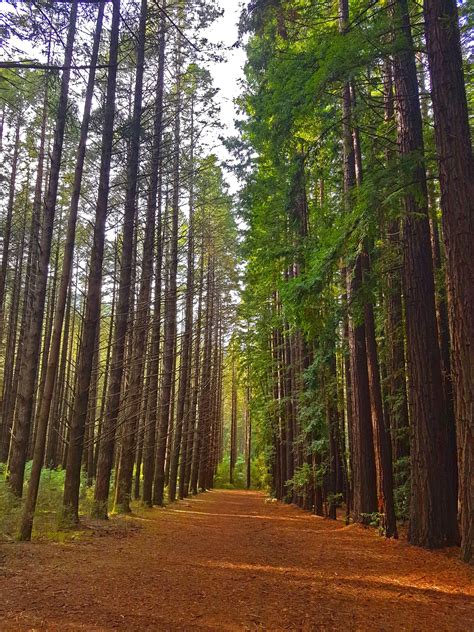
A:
213,330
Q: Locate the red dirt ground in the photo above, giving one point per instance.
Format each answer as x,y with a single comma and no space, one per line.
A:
227,561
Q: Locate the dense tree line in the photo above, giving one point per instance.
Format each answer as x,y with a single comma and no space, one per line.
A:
359,204
118,254
351,367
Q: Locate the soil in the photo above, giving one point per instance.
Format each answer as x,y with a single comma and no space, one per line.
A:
230,560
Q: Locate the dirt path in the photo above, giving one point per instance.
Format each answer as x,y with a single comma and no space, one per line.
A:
231,561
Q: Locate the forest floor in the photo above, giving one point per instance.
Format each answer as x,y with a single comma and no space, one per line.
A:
229,560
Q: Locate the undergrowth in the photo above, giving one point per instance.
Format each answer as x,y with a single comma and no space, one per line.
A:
258,473
48,506
47,524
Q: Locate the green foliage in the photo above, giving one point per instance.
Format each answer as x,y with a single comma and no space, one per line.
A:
304,476
258,472
373,520
10,509
49,521
401,470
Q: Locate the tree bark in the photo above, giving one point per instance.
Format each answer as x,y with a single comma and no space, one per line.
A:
55,344
431,521
186,342
170,312
30,356
7,229
92,308
456,173
127,454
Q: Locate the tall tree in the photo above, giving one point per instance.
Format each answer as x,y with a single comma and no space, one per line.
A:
432,511
123,307
55,345
92,305
30,356
456,173
170,299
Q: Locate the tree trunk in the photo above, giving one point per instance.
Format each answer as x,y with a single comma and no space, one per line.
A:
233,423
186,341
432,524
7,228
127,454
60,303
92,308
154,207
202,393
30,357
193,440
456,173
170,311
11,347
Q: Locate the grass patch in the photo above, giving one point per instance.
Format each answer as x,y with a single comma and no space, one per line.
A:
47,524
260,478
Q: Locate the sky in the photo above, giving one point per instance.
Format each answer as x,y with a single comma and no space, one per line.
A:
227,75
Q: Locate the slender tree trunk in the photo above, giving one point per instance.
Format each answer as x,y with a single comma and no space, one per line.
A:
30,359
248,425
11,346
202,388
362,452
397,408
186,343
92,308
7,229
127,455
105,384
383,450
290,456
170,312
193,439
205,409
233,422
382,447
154,207
51,458
55,345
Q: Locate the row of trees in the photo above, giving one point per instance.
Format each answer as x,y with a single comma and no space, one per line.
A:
118,254
359,201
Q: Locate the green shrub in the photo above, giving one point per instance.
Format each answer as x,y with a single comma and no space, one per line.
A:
10,509
48,513
402,490
258,473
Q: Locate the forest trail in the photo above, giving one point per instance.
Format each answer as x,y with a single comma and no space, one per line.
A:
228,560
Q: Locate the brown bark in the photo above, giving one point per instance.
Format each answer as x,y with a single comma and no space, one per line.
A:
170,303
202,389
7,401
7,228
193,443
233,423
127,454
383,451
154,206
205,398
51,457
431,521
30,357
186,341
60,303
289,429
92,306
248,446
456,173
